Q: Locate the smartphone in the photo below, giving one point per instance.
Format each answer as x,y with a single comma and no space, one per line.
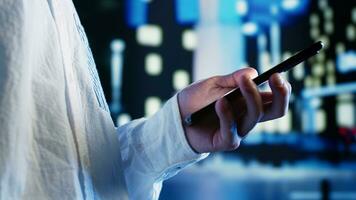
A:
284,66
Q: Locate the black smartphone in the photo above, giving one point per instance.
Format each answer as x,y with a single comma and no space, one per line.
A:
284,66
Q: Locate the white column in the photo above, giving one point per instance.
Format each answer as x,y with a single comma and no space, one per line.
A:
117,49
220,47
275,38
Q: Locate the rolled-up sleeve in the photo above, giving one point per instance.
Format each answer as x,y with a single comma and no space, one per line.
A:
154,150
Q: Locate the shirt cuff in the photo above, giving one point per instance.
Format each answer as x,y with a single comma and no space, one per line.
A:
181,154
187,150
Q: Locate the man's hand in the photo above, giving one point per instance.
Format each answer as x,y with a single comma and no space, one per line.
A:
239,117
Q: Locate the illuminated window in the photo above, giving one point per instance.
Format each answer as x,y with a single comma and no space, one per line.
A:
345,98
123,119
345,114
321,56
299,72
350,32
180,79
305,121
152,105
320,120
328,13
290,4
149,35
316,82
285,56
153,64
323,4
340,48
189,39
331,80
318,70
241,7
329,27
308,82
330,67
346,62
266,61
314,20
316,102
249,28
284,124
314,32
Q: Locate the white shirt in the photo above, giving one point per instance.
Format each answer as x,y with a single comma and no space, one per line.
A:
57,139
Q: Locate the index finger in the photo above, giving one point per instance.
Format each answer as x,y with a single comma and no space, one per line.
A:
232,80
281,91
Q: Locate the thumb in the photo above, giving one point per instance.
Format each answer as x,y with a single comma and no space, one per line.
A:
227,137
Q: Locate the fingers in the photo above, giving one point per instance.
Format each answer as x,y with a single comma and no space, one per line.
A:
228,138
254,105
267,97
246,112
281,91
232,80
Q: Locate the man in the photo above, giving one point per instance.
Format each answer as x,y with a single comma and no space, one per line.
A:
57,140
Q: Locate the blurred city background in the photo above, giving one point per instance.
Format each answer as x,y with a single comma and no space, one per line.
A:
147,50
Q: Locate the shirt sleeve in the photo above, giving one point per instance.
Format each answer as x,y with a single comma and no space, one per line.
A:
154,150
15,76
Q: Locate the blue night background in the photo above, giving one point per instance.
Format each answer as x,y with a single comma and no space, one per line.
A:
147,50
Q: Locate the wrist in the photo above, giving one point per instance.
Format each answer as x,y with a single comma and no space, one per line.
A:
187,132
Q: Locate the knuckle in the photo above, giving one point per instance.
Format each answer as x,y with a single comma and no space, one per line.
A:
252,70
215,79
